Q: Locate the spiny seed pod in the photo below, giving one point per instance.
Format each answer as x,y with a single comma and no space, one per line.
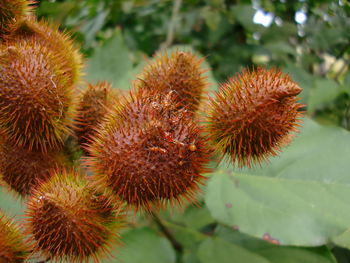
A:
11,12
180,72
59,43
36,104
68,220
12,246
22,170
253,115
148,155
93,105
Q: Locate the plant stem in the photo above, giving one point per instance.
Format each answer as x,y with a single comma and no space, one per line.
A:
172,25
340,55
176,245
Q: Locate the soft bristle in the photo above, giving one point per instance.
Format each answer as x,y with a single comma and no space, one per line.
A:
94,102
179,72
148,155
68,220
58,43
253,115
22,170
11,12
36,102
12,246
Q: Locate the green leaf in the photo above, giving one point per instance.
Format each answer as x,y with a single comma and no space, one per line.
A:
343,240
276,254
219,251
189,257
280,48
144,245
111,62
10,204
297,255
325,91
300,198
341,254
91,27
276,33
186,236
328,38
193,217
189,240
197,217
288,212
318,153
244,15
211,17
56,11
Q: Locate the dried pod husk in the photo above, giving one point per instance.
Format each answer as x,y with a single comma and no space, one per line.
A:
11,13
59,43
148,154
253,115
93,105
69,220
180,72
36,102
13,248
23,170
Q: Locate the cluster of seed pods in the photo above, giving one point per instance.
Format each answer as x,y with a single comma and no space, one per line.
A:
66,218
142,150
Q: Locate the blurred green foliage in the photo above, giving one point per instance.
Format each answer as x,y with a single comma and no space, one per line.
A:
294,209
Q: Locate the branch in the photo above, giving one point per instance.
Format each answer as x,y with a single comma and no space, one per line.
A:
176,245
172,24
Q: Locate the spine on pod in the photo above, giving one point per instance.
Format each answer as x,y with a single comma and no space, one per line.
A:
253,115
22,170
179,72
69,220
11,13
13,247
36,100
93,105
148,154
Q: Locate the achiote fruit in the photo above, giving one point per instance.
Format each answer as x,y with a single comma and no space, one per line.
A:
179,72
58,43
93,105
22,170
68,220
253,115
12,246
147,154
36,102
11,12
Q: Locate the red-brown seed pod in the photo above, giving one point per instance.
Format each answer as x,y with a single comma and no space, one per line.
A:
147,154
58,43
69,220
180,72
11,12
94,102
12,246
22,170
253,115
36,102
